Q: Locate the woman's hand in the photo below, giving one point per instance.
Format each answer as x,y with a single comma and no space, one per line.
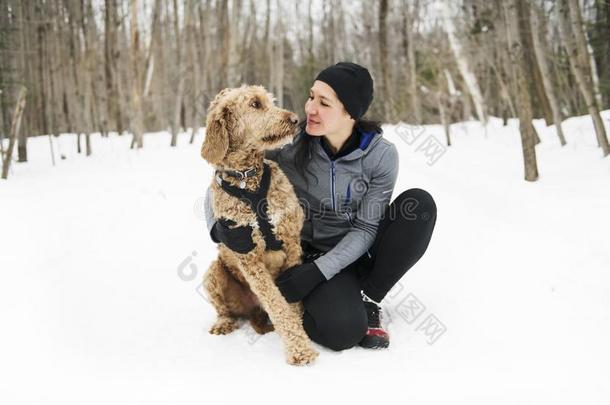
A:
296,282
238,239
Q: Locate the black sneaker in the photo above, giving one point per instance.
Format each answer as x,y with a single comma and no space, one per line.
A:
376,337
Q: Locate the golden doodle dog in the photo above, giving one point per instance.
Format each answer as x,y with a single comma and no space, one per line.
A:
250,190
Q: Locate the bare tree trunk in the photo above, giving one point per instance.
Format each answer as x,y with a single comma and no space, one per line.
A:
328,28
533,74
594,75
15,125
504,90
384,61
545,71
524,101
340,31
576,45
111,55
5,76
22,152
408,28
441,109
179,74
42,62
137,126
90,40
63,76
601,33
225,39
233,33
367,22
194,90
464,67
203,64
268,44
279,59
80,110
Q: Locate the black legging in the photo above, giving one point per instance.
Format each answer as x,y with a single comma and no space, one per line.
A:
334,315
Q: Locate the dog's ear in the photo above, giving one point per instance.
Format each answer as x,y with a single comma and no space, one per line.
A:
216,142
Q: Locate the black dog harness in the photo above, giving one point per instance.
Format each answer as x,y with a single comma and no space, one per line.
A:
257,201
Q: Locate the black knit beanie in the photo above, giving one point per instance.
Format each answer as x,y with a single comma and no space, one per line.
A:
353,85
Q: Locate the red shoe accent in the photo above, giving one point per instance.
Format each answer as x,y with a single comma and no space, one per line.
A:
376,332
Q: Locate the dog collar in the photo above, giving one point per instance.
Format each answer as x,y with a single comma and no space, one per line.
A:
240,175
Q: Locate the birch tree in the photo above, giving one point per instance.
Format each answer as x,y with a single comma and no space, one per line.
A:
539,49
15,126
137,126
461,58
570,26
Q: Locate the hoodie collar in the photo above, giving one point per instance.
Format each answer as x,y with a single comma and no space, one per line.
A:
350,145
359,142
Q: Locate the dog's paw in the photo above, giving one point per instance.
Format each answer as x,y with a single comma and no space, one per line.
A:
224,326
261,329
260,322
301,356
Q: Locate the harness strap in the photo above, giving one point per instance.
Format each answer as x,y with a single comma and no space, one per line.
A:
257,200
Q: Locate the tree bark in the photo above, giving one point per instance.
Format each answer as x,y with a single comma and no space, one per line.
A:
15,125
111,55
179,74
533,74
464,67
25,23
524,101
137,127
570,25
384,61
279,59
539,50
408,28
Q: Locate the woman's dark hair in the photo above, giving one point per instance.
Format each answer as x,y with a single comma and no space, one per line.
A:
304,148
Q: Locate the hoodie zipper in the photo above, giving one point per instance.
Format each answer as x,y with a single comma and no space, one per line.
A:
349,217
332,182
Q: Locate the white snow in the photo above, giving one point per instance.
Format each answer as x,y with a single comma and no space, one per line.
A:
102,257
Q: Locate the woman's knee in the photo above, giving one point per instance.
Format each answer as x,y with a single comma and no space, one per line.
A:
337,332
416,203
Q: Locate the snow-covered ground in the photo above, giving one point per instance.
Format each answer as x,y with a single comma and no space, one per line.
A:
102,258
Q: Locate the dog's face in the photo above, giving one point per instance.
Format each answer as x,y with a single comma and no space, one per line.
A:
245,119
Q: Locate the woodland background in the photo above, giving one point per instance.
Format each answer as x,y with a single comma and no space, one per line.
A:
133,66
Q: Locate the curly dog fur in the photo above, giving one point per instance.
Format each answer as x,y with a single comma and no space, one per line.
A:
241,124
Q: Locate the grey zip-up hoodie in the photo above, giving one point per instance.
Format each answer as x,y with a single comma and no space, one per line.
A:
344,206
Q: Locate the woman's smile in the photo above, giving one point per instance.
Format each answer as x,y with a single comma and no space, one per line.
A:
311,121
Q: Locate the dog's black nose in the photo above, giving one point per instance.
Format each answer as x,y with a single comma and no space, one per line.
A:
293,119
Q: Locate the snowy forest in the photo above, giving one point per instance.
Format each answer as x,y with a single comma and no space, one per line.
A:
498,109
135,66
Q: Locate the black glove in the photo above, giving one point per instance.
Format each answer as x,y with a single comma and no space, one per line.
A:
238,239
296,282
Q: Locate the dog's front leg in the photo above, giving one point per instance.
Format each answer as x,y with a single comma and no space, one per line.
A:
294,254
285,317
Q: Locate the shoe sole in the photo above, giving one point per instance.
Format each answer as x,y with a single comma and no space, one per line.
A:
374,342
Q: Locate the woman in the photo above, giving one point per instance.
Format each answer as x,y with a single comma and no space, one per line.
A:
356,244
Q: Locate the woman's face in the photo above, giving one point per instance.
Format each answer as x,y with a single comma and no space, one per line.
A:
325,113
